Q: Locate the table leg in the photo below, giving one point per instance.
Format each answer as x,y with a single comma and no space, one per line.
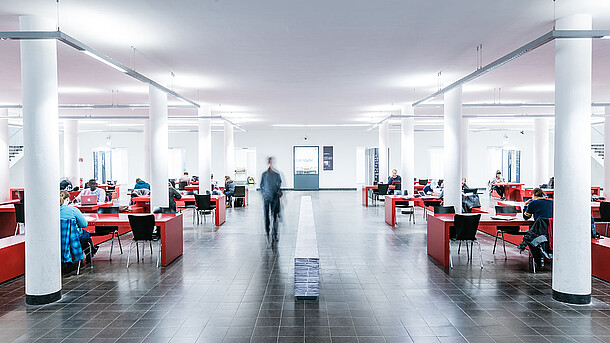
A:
438,240
171,240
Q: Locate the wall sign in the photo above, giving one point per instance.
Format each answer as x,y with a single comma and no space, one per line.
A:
327,157
306,160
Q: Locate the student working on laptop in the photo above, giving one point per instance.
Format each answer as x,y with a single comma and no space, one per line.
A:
93,190
538,206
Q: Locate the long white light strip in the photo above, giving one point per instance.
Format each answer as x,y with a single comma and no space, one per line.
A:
319,125
89,53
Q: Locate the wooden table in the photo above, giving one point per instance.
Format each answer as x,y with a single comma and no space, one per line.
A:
92,208
391,200
438,232
221,210
170,226
365,193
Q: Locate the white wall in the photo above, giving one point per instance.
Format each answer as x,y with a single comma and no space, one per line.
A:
279,142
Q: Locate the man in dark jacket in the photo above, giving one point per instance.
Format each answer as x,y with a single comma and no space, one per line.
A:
271,184
173,195
141,184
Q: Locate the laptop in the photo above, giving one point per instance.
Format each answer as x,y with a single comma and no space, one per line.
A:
88,200
421,193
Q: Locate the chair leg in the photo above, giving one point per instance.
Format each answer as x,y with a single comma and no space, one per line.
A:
495,242
480,254
118,238
111,245
151,252
471,250
450,258
129,254
459,247
78,268
159,254
467,252
143,251
504,246
137,252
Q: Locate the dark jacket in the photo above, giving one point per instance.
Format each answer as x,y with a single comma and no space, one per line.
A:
173,194
271,184
538,237
141,184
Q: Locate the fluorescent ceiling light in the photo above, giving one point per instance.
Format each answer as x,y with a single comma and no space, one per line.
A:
536,88
319,125
125,124
108,63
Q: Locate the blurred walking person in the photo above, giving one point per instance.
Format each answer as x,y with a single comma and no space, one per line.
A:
270,185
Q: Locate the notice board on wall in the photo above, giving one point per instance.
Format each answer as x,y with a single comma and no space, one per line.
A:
327,157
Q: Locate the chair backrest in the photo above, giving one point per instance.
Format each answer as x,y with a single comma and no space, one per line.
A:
423,182
506,209
142,226
383,188
466,226
163,210
203,202
19,212
240,191
21,195
444,209
108,210
182,185
604,211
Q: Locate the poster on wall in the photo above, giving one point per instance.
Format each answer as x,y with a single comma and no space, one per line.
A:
327,157
306,160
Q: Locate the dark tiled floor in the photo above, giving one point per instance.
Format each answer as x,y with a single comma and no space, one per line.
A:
377,285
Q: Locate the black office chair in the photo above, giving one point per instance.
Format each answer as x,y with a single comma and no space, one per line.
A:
204,205
406,207
88,250
108,230
182,185
423,182
466,226
511,230
163,210
604,213
382,190
19,216
240,193
142,227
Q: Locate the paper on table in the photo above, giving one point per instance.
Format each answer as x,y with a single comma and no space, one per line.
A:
504,217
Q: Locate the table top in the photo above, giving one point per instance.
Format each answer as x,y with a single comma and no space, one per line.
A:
486,218
412,198
9,202
93,218
93,207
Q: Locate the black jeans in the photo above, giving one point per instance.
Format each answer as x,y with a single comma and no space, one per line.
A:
271,208
499,190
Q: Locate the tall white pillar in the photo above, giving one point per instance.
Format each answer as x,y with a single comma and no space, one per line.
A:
146,176
606,184
41,163
407,150
229,151
383,152
159,195
465,143
5,193
572,212
205,149
453,149
71,171
541,151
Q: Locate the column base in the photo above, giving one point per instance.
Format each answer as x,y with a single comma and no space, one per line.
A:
578,299
42,299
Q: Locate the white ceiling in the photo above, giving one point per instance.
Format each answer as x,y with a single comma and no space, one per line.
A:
302,62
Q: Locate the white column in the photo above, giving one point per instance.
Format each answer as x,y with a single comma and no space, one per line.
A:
607,154
572,212
41,168
5,193
465,143
229,151
205,149
159,195
146,175
383,152
407,150
541,151
71,171
453,149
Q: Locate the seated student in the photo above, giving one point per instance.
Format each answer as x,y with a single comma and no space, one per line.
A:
464,185
428,189
93,190
495,184
229,189
65,184
214,185
68,243
141,184
394,179
173,195
185,178
538,206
